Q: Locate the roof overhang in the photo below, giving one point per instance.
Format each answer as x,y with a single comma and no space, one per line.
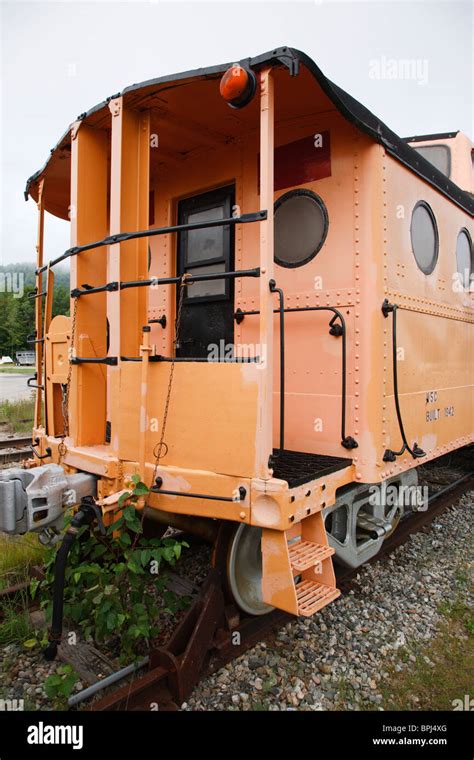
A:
57,167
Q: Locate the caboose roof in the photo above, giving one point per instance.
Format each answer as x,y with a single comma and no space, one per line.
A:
157,94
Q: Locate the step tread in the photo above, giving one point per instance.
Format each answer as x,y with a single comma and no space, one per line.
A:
313,596
306,554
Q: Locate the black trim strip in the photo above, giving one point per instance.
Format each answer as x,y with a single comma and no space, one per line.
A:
427,138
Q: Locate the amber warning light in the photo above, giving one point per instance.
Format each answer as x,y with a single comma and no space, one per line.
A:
238,86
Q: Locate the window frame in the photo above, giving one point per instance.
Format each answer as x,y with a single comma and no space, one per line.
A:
447,148
314,197
466,289
431,214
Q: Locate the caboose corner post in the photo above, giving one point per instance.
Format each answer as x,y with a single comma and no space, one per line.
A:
89,222
265,435
39,307
129,212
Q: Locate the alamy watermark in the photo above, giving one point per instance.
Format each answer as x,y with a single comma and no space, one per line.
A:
231,352
386,494
396,69
12,282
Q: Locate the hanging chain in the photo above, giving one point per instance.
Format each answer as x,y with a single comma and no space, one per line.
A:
158,450
62,448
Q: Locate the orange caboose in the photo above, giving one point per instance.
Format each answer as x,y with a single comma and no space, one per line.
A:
270,311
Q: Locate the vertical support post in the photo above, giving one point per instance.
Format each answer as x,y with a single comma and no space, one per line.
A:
48,304
89,222
48,315
145,350
127,310
39,307
265,436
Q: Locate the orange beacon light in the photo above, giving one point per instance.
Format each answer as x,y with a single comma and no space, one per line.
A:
238,86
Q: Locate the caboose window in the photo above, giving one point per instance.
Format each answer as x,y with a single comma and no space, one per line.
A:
438,155
424,237
207,250
464,258
301,225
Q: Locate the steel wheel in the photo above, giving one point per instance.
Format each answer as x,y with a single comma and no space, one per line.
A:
244,570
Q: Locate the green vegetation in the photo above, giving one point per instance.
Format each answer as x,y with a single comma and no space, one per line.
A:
15,624
443,668
18,554
111,583
18,311
12,369
17,416
60,685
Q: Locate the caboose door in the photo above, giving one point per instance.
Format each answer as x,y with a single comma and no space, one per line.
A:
207,317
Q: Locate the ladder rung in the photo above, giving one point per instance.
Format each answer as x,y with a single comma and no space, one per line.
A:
306,554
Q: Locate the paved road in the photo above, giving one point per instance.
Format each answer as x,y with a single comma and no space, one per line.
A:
13,387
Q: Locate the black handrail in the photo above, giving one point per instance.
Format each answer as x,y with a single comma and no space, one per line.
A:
122,237
157,489
227,360
34,294
274,289
111,360
416,452
31,384
156,281
346,440
33,339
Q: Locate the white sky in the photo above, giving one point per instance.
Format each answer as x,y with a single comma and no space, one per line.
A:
61,58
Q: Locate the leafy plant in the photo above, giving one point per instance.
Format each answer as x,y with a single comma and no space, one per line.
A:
60,685
112,580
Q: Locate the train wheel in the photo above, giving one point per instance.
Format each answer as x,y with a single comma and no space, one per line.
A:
244,570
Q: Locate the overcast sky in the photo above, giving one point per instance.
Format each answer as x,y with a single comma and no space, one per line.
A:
61,58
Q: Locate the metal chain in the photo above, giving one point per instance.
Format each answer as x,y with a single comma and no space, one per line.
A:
62,448
158,450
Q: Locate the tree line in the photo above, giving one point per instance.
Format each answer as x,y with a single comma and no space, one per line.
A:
17,311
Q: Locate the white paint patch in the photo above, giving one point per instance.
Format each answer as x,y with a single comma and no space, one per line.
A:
142,419
249,373
429,441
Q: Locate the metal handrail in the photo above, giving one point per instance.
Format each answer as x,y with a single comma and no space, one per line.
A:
156,281
122,237
346,440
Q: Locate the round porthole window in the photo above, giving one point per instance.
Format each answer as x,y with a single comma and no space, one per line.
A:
301,225
424,237
464,258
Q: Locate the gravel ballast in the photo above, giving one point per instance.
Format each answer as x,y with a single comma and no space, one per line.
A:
339,658
336,660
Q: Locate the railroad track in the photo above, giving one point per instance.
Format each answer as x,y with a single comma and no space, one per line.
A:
205,640
15,449
213,632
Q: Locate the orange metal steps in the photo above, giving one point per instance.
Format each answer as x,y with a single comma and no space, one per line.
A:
312,596
306,554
